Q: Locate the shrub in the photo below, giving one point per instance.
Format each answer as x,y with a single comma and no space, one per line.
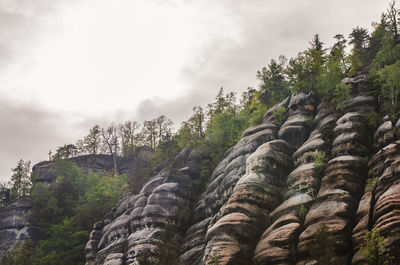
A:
280,114
302,213
320,161
371,183
371,119
374,250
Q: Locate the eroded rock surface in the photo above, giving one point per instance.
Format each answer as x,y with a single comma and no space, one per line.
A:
15,226
342,185
277,244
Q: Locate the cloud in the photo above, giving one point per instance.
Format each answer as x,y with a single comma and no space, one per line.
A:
236,38
264,31
26,132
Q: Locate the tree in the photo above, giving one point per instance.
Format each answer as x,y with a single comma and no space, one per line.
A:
316,43
110,142
91,143
130,136
359,38
4,192
323,249
303,71
164,128
167,247
374,251
196,122
65,151
150,133
392,14
21,182
390,79
273,87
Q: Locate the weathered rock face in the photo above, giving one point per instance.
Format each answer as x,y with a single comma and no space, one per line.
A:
138,219
15,226
380,204
253,209
250,211
135,166
277,244
246,186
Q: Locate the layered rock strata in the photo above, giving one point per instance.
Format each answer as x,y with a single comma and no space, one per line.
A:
380,205
255,188
135,224
15,226
222,184
277,244
343,183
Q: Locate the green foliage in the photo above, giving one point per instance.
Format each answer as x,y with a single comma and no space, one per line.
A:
64,244
371,183
334,70
201,182
372,119
341,93
167,248
145,257
320,161
21,254
166,251
280,114
303,71
256,112
166,149
359,38
215,260
374,250
102,192
309,120
20,180
302,213
390,79
273,87
323,249
67,208
65,151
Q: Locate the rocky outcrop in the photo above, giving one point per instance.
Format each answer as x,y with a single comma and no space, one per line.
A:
135,166
266,201
246,186
380,205
135,224
15,226
343,183
277,244
269,197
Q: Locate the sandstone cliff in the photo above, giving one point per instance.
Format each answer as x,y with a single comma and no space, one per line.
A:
249,213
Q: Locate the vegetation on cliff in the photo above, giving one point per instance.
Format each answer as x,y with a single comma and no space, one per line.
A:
67,208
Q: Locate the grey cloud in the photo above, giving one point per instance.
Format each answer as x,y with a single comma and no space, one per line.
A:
268,28
26,132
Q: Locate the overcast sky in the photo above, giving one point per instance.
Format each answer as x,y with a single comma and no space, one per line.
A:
68,64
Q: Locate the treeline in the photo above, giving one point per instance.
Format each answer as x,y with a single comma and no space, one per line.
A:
321,70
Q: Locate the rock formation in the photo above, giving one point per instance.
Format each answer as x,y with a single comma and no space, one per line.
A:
268,199
15,225
272,193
